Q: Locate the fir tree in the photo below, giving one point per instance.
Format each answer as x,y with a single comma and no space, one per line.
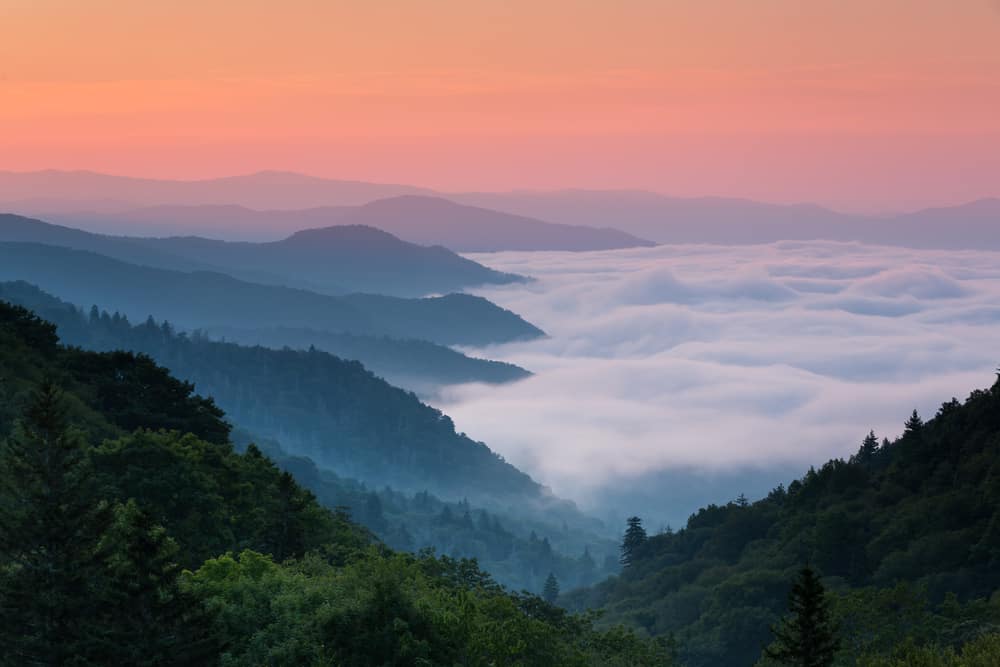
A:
145,617
914,424
806,637
49,523
635,537
868,450
551,591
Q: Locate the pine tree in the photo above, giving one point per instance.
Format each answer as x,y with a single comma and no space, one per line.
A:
551,591
914,424
868,450
146,619
807,636
49,523
635,537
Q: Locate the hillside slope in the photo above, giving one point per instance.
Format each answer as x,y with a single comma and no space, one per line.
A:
206,299
336,260
332,410
923,511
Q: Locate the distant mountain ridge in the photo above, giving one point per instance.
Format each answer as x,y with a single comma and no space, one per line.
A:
203,299
332,260
641,216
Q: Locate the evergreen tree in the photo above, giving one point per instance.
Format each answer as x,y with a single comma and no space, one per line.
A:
913,424
145,618
869,447
807,636
635,537
49,522
551,591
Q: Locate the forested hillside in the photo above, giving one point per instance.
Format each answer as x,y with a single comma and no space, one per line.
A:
518,533
906,532
204,299
114,475
314,403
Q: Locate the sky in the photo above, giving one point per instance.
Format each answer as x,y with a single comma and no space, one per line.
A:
860,105
750,362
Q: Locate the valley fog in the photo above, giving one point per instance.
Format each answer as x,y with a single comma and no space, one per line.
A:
677,376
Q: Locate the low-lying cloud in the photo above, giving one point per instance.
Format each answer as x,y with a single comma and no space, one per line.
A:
727,358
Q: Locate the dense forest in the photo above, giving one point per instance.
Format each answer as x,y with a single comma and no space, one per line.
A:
906,534
133,533
515,530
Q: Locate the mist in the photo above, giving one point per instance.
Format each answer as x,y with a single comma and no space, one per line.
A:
680,375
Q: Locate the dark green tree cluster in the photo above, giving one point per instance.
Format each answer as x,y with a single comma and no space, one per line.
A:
919,511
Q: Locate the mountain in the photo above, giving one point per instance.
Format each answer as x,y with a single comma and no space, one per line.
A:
907,534
332,260
351,258
203,299
420,219
316,404
262,190
671,219
250,389
723,221
115,478
417,365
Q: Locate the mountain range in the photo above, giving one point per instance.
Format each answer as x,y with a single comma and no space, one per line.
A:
333,260
242,206
205,299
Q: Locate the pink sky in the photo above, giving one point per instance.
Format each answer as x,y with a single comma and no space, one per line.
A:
856,104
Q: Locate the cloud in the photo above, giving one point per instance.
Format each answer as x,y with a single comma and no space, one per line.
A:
722,359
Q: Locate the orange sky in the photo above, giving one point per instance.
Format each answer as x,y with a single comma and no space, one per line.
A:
860,104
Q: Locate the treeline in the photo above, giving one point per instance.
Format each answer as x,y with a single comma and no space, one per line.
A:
114,476
905,532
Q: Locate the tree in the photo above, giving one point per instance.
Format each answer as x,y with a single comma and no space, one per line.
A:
914,423
551,591
146,618
635,537
868,450
807,636
49,523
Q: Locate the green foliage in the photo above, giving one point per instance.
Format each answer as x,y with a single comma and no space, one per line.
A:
983,651
551,591
49,526
806,637
390,609
97,521
632,543
343,417
920,510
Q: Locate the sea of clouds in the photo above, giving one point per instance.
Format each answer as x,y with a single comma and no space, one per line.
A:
725,361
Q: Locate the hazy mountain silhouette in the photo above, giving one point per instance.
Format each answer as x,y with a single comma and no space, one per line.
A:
433,220
728,221
421,216
261,190
415,218
334,260
206,299
352,258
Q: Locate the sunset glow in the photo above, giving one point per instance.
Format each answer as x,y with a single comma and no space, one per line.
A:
859,105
